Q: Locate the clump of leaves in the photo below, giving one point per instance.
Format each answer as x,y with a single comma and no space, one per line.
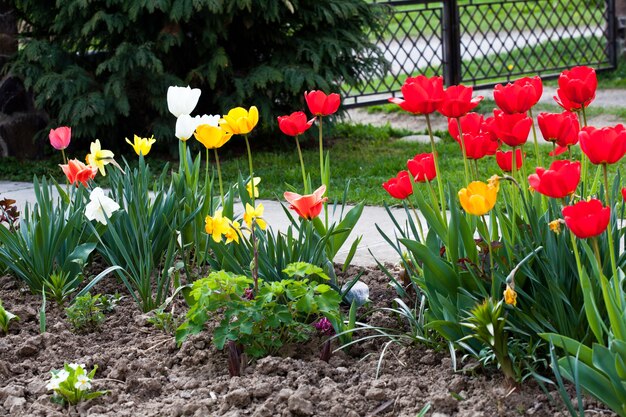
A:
5,319
86,313
9,214
72,384
163,320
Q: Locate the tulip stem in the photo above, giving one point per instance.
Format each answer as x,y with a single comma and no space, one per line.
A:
476,169
250,166
442,199
320,127
530,114
206,170
304,182
462,140
609,230
219,176
583,159
488,236
513,195
64,158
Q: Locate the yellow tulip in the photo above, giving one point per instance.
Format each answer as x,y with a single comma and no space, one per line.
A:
212,137
240,121
141,145
99,157
255,214
478,198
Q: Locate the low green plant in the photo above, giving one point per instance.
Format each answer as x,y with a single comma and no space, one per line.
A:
280,313
72,384
163,320
5,319
85,314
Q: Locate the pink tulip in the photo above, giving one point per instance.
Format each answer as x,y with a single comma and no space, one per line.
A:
60,137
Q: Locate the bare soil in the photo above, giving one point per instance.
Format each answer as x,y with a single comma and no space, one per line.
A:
147,375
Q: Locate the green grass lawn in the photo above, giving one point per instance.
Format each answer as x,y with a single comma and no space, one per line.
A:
364,155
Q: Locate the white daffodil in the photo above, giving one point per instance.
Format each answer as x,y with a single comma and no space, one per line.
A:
100,207
182,100
186,125
83,382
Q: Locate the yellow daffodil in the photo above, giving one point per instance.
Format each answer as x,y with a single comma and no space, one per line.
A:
99,157
256,182
478,198
233,233
255,214
212,137
141,145
240,121
555,226
510,296
217,226
494,181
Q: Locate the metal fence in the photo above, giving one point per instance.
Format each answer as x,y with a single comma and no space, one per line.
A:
485,42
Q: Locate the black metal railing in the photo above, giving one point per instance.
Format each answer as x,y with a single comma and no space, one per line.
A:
485,42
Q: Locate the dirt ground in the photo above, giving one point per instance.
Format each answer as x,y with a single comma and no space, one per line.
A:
147,375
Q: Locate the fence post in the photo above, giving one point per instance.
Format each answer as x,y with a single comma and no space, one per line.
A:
451,43
611,17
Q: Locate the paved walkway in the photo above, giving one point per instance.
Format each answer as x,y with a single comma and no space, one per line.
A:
372,241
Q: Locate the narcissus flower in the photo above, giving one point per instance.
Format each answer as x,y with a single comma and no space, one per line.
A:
399,186
217,226
255,214
233,233
186,125
587,218
100,207
605,145
422,167
555,226
141,145
478,198
182,100
505,160
577,88
519,96
255,181
559,181
561,128
212,137
510,296
78,173
99,157
240,121
307,206
512,129
60,137
321,104
422,95
457,101
294,124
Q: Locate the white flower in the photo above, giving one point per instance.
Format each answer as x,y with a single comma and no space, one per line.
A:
61,375
186,125
182,100
53,384
100,207
83,382
75,366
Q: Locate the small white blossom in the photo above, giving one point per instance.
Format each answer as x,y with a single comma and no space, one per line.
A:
75,366
53,384
182,100
186,125
100,207
83,382
62,375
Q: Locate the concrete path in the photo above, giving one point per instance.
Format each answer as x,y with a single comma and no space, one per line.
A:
275,216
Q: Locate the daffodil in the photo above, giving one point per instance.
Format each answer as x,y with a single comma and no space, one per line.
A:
555,226
99,157
255,214
240,121
233,232
249,184
100,207
478,198
510,296
217,226
141,146
212,137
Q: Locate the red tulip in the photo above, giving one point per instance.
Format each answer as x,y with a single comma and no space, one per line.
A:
60,137
295,124
479,145
624,194
505,160
321,104
519,96
422,95
78,173
307,206
587,218
557,182
458,101
605,145
512,129
577,88
422,167
400,186
470,123
561,128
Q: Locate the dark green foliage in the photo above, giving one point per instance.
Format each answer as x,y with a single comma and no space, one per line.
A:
103,67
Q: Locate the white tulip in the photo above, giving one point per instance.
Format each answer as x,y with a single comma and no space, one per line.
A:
182,100
186,125
100,207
